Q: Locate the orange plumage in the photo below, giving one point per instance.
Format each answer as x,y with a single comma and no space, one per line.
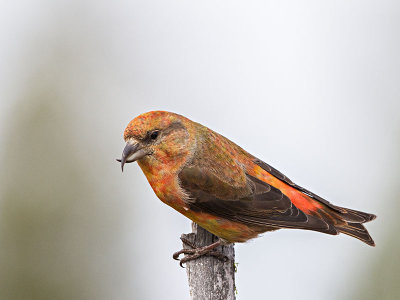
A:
224,189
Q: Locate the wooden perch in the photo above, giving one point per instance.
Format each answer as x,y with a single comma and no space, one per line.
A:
210,278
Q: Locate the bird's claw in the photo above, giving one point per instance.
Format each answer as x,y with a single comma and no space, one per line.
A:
195,252
191,254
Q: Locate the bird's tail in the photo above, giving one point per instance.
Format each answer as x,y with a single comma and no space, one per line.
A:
347,221
353,225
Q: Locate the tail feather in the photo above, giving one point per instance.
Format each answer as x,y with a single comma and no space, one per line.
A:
358,231
356,216
347,221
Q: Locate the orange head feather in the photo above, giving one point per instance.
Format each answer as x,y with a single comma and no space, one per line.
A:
163,137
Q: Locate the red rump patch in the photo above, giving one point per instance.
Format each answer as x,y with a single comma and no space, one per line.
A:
303,202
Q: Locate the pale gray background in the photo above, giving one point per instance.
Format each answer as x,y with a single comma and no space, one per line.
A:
311,87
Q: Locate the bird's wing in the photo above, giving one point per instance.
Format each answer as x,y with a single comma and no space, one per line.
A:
346,213
285,179
252,201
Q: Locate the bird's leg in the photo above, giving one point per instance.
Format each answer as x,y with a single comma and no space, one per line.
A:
196,252
187,242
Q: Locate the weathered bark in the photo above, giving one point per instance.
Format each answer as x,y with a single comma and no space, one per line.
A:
210,278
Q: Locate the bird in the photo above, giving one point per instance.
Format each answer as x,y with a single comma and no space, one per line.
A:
223,188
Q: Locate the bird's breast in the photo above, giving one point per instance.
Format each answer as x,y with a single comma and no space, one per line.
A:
165,185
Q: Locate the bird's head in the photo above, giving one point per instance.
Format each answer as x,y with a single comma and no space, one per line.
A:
156,139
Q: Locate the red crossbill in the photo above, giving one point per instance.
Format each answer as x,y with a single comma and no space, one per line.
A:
225,189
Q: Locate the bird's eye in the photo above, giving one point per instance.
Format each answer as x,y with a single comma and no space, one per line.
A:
154,134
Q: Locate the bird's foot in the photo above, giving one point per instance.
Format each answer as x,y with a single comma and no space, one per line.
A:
196,252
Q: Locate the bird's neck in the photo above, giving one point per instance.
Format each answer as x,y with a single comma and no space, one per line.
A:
165,183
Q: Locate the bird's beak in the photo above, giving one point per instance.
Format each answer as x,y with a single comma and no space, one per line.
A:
132,152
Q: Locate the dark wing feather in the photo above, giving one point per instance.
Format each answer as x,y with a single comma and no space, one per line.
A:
253,203
346,213
285,179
